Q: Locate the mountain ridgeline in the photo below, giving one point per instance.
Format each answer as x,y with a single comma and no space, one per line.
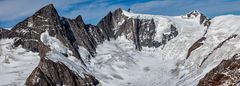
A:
74,34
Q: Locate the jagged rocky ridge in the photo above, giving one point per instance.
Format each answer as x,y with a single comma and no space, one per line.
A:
71,32
74,34
226,73
140,31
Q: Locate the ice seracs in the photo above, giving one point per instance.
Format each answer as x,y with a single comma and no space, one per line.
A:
60,53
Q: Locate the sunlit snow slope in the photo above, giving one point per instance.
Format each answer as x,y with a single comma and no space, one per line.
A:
16,64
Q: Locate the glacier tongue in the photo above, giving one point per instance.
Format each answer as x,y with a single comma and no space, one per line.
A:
118,63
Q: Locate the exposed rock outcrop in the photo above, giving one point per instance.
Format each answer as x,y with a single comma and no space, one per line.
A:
49,73
3,33
196,45
226,73
71,32
203,20
141,31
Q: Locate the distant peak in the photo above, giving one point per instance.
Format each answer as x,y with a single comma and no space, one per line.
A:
202,18
129,10
194,13
49,7
79,17
3,29
6,28
47,11
119,9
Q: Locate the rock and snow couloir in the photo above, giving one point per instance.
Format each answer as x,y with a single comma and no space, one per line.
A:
125,49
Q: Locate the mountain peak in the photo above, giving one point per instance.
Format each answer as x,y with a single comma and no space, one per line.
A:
49,6
194,13
46,15
119,9
202,18
79,18
2,29
47,11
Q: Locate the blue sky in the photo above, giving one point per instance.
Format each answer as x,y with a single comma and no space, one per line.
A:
14,11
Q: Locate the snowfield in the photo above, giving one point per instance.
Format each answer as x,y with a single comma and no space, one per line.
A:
16,64
118,63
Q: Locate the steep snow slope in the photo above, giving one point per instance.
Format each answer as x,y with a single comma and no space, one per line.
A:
222,42
16,64
61,53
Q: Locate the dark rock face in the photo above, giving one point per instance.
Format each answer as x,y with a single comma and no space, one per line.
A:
109,24
144,32
203,19
49,73
29,30
71,32
168,36
226,73
2,30
196,45
3,33
95,33
106,25
140,31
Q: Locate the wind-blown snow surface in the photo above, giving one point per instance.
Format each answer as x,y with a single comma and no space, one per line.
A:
16,64
118,62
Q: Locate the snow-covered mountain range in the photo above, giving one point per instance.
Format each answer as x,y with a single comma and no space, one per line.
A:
123,49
